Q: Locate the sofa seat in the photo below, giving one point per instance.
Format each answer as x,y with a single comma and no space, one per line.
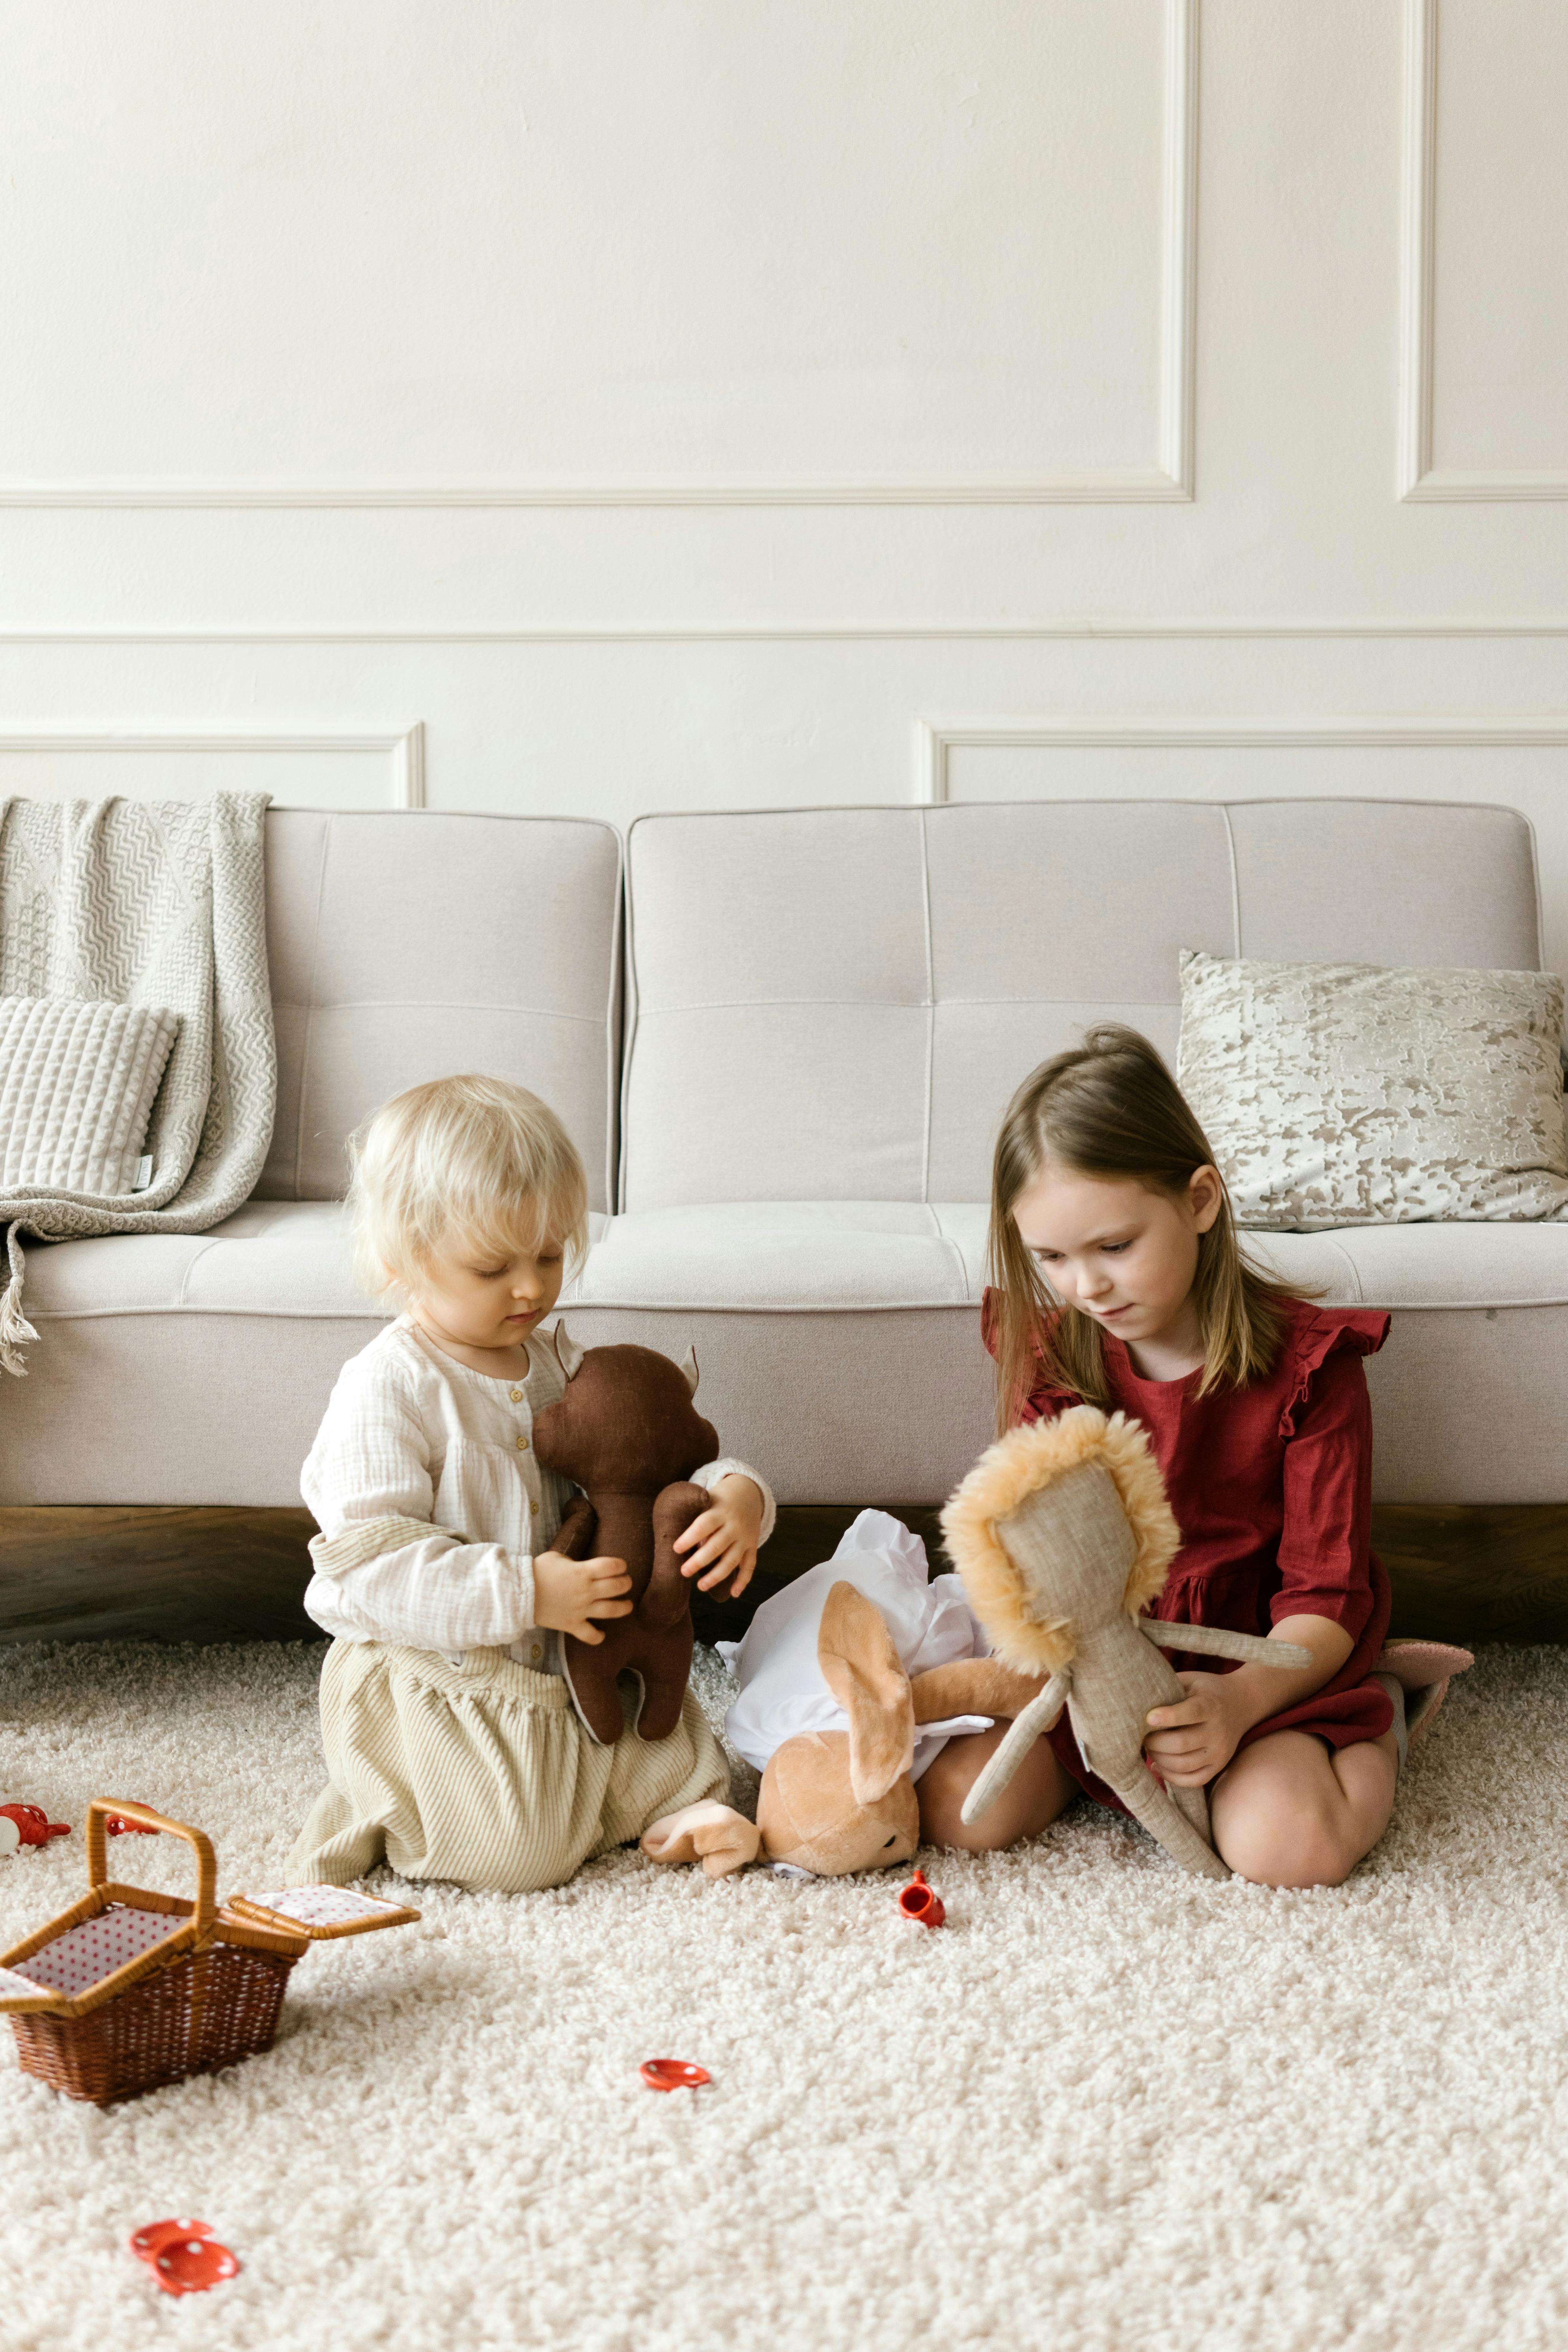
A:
287,1258
792,1256
839,1344
866,1315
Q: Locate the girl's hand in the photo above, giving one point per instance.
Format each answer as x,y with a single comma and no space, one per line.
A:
1190,1742
727,1534
568,1593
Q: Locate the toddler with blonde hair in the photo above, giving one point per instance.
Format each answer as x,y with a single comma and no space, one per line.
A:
453,1750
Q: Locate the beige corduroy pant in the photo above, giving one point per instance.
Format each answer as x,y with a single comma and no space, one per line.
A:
482,1773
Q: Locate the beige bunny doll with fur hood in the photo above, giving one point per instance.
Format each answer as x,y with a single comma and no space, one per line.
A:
834,1802
1062,1535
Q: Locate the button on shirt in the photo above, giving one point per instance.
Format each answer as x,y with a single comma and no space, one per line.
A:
412,1435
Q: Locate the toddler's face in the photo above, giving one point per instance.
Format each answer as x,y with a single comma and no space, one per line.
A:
1125,1255
473,1301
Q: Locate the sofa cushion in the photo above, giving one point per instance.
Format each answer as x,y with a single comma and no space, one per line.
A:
1430,1267
77,1081
405,947
803,1257
288,1260
884,977
789,1256
1347,1094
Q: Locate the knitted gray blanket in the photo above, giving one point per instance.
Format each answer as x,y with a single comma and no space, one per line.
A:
158,903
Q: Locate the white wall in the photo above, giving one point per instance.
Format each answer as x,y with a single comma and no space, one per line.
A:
683,402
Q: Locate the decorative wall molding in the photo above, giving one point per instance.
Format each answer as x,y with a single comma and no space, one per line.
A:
1419,479
1111,630
937,739
1179,254
405,748
1170,478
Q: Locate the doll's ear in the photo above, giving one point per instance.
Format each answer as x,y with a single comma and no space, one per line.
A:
862,1669
570,1354
688,1366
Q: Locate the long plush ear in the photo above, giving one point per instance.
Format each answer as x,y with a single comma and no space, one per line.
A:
570,1354
688,1366
862,1669
717,1836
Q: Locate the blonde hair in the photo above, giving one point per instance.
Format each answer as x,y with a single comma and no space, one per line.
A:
470,1163
1111,1109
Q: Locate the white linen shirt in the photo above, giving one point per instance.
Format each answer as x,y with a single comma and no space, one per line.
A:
411,1435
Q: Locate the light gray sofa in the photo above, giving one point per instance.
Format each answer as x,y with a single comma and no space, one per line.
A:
823,1013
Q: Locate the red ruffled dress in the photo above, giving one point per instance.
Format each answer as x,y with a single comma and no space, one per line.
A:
1271,1485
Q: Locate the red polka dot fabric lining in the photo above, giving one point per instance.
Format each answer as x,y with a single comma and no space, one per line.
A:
323,1906
94,1948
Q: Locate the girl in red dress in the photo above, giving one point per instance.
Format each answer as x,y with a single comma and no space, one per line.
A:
1119,1281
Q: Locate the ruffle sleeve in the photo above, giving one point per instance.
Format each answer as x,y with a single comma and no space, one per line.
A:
1325,1332
1325,1559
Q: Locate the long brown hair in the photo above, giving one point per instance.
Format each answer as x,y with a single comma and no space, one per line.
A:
1111,1109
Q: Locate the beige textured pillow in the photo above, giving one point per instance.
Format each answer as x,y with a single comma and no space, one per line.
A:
77,1080
1340,1094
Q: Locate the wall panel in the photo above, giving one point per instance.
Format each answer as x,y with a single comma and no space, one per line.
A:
1485,396
779,378
651,252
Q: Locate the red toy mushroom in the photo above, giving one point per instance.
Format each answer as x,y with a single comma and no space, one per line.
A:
184,2256
673,2075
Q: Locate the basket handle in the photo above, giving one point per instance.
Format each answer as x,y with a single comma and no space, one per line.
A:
206,1860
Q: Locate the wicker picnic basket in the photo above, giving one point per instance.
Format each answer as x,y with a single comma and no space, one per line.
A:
131,1990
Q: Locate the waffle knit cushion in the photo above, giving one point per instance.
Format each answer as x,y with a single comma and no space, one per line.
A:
77,1079
1342,1093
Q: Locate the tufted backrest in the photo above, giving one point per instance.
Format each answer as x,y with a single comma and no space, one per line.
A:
836,1003
413,945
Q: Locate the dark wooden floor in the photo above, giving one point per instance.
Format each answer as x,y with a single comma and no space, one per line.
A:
1460,1574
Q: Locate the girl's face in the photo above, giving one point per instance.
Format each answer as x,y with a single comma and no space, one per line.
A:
1118,1253
473,1301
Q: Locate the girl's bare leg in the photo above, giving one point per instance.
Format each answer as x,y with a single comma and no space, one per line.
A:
1290,1811
1038,1792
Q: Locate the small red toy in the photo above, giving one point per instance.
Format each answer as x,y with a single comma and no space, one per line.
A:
33,1825
120,1825
919,1903
147,2244
673,2075
184,2256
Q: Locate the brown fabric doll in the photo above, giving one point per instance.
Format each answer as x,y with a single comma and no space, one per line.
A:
627,1433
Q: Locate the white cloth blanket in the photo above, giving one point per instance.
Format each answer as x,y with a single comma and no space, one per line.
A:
783,1689
158,903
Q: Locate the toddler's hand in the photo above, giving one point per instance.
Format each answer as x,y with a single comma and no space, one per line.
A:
727,1533
568,1593
1190,1742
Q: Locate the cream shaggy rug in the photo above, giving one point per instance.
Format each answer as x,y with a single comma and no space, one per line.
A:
1106,2106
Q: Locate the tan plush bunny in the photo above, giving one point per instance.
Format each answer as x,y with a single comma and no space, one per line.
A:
1062,1535
834,1802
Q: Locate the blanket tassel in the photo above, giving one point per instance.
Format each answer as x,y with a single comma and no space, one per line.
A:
15,1328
